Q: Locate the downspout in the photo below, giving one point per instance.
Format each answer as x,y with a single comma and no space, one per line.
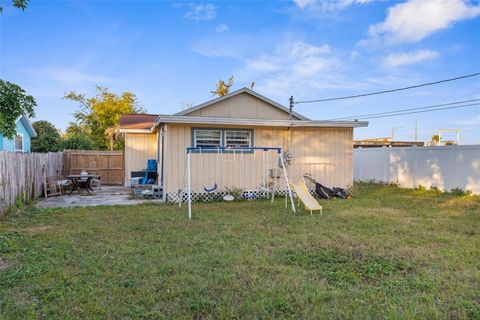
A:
159,146
288,153
161,152
162,173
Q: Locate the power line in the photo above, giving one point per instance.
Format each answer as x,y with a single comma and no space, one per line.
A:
391,90
403,110
421,111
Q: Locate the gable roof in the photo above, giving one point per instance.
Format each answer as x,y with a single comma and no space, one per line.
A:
26,123
140,122
237,92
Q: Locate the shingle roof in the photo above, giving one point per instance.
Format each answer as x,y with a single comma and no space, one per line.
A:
137,121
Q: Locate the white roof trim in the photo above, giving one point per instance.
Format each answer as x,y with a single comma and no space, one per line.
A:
137,130
234,93
259,122
28,126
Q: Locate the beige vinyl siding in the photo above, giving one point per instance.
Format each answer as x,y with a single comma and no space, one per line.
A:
243,105
139,147
326,153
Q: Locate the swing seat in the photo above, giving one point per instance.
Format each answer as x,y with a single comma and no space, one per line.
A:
249,195
210,189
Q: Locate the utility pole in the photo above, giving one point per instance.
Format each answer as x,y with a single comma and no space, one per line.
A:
416,129
291,107
393,132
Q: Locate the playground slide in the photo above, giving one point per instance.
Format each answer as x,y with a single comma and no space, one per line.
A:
310,203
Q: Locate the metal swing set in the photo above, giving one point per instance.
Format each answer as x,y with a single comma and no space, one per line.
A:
186,186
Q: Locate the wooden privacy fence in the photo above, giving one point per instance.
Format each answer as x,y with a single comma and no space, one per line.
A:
22,175
107,164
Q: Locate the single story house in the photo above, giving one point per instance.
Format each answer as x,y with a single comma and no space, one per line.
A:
21,142
242,118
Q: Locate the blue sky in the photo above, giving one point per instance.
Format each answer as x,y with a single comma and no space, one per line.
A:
173,53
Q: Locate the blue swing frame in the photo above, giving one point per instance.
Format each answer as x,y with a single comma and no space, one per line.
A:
229,149
191,150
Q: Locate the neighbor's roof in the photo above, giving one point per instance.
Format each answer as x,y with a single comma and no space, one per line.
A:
234,93
28,125
129,122
259,122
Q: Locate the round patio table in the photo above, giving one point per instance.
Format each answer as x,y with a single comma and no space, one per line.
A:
82,181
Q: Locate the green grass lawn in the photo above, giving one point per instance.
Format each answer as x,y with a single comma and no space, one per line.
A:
387,253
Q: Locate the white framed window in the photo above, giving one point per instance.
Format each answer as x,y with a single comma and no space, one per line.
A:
238,138
207,138
18,142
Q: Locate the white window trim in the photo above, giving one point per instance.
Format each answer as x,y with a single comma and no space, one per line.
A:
222,136
237,130
15,143
206,129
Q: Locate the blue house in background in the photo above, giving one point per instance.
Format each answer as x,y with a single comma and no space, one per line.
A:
21,142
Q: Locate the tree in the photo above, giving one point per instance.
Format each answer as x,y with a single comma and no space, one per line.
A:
435,139
48,138
77,141
99,116
74,128
222,87
113,135
14,102
21,4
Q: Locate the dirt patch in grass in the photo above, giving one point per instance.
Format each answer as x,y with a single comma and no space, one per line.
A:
339,267
35,230
3,264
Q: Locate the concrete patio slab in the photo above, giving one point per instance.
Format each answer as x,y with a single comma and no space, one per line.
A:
107,196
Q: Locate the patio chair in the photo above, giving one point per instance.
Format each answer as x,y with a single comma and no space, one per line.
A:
96,183
65,185
52,187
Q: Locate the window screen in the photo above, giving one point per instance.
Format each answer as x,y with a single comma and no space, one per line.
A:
207,138
237,138
18,143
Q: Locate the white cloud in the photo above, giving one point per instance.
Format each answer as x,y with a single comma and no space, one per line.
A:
394,60
222,45
302,49
298,64
414,20
263,64
470,122
201,12
222,27
299,58
68,76
327,5
304,3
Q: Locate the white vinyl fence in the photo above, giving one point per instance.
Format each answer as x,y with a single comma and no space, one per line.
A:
22,175
445,167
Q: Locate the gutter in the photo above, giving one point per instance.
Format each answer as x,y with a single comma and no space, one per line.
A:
137,130
259,122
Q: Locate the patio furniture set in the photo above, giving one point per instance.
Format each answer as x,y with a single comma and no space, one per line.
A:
55,185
